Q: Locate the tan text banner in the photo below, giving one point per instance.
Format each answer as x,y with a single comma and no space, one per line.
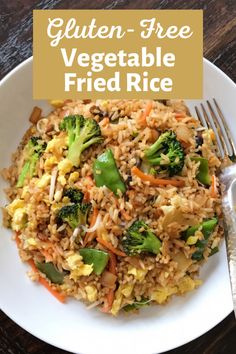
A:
117,54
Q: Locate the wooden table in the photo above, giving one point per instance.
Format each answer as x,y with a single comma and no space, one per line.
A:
219,48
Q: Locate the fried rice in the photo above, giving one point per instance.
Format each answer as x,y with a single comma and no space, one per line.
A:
168,210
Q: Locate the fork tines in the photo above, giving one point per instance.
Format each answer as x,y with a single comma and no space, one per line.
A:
216,121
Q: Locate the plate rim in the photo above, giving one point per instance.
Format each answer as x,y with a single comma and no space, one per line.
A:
64,347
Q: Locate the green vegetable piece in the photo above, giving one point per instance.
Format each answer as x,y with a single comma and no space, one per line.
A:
145,167
51,272
139,238
152,171
75,195
203,171
74,214
213,251
82,133
98,258
107,174
33,150
198,255
207,227
135,134
136,305
23,174
168,145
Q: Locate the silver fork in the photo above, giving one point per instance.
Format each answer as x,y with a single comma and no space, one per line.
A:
213,118
217,122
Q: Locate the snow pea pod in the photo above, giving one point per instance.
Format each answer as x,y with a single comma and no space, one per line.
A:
95,257
203,171
107,174
51,272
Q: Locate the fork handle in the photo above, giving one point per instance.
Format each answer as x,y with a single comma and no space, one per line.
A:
228,182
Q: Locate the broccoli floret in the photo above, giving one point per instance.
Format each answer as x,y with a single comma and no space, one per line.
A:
139,238
82,133
74,195
74,214
33,150
168,145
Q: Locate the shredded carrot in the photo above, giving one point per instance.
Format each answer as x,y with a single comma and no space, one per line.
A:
94,217
105,121
89,237
143,118
46,284
112,263
33,266
125,215
109,301
46,254
156,181
54,292
180,115
17,239
213,187
90,183
111,293
86,197
109,246
212,135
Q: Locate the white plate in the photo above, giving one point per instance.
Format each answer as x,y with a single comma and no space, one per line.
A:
71,326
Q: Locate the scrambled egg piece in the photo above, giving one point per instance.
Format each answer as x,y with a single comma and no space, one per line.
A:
62,180
117,301
74,176
30,243
25,190
44,180
55,207
19,219
58,195
127,290
192,240
91,292
78,268
57,103
209,136
50,162
16,204
139,274
104,103
57,144
187,284
160,294
65,166
18,213
123,290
